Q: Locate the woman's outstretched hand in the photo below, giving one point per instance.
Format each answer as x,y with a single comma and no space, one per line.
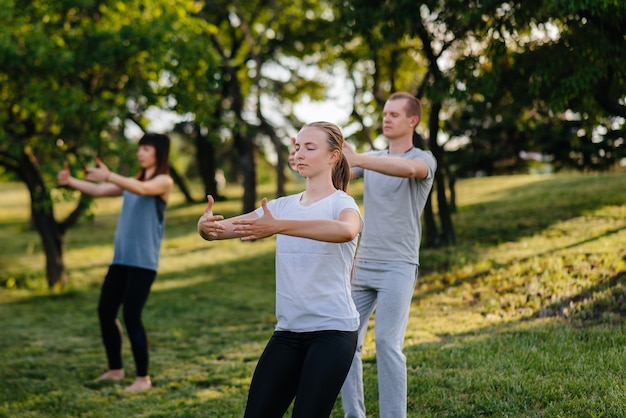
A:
208,225
99,173
253,229
64,176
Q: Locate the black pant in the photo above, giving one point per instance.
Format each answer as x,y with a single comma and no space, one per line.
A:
130,287
310,366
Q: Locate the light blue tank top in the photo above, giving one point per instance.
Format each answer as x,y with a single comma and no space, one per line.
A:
139,232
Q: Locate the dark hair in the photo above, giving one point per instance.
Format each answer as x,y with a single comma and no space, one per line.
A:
161,144
341,171
413,106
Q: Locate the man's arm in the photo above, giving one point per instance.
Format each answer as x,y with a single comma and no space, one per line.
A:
393,166
389,165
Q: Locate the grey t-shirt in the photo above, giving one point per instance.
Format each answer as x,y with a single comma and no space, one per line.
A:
139,232
392,207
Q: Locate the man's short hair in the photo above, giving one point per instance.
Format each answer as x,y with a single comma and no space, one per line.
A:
413,106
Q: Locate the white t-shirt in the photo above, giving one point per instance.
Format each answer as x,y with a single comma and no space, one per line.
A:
313,277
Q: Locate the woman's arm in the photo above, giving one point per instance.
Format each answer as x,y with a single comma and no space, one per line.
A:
160,185
343,229
64,178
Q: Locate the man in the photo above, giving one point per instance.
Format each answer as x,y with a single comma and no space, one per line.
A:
397,182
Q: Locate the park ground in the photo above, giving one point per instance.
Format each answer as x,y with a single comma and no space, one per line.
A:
523,317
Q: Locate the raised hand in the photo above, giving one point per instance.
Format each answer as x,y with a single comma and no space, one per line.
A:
292,155
64,176
253,229
99,173
349,153
208,225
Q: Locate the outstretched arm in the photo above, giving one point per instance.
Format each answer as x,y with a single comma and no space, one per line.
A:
215,227
159,185
64,178
343,229
389,165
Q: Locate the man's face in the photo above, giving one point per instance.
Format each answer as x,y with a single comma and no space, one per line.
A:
396,123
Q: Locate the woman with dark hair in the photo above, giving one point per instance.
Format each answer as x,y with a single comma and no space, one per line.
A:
310,352
137,247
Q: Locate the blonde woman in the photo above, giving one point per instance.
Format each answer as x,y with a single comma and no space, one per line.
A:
310,352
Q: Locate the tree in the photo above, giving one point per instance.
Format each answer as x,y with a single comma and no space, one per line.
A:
546,77
71,74
402,46
261,48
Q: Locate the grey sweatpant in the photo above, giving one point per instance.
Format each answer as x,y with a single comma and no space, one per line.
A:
388,289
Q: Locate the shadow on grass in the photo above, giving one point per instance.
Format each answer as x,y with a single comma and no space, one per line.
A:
520,368
472,279
604,302
207,326
514,212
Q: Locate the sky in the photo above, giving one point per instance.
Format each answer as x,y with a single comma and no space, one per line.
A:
336,108
331,110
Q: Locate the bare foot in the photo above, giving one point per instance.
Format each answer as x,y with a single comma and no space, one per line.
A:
115,374
140,384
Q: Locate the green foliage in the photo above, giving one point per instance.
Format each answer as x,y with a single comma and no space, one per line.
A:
73,72
511,76
553,71
73,75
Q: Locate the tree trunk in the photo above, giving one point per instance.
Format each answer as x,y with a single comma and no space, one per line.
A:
245,148
452,190
281,162
180,182
447,227
207,165
43,219
242,141
430,226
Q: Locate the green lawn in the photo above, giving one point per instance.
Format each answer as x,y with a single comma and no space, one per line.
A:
524,317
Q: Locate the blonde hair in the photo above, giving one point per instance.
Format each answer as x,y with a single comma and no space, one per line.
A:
334,139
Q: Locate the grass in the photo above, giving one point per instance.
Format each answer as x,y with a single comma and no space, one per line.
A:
524,317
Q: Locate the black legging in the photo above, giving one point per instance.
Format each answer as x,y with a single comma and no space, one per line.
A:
310,366
130,287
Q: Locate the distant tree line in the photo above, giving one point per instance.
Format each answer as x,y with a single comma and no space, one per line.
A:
498,79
